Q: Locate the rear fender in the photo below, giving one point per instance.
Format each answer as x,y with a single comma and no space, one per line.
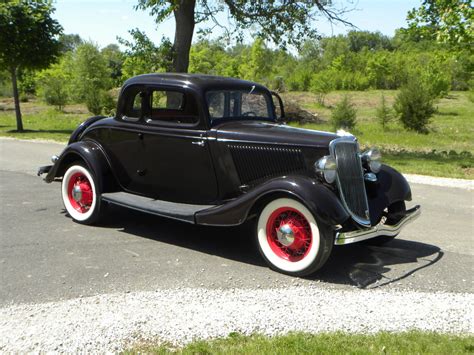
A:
92,154
321,201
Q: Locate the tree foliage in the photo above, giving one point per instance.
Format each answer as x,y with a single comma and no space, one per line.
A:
143,56
286,23
54,83
28,40
446,21
90,77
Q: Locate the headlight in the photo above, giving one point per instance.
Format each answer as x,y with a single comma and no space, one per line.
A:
326,166
373,159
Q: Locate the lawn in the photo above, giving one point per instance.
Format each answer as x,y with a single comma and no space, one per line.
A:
414,342
41,121
447,150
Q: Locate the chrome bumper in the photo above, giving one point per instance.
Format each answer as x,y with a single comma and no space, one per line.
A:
378,230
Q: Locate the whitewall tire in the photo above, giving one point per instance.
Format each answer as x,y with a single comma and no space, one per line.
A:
80,194
290,239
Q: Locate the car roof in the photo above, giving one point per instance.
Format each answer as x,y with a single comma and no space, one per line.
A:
199,82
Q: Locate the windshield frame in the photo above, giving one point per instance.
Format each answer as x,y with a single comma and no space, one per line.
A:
268,99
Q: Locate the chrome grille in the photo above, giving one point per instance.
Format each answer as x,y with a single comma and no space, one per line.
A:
350,179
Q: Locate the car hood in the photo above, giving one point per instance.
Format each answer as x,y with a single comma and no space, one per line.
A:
272,133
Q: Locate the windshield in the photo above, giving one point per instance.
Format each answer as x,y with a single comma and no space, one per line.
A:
238,104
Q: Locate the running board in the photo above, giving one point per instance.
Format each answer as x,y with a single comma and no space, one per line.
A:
180,211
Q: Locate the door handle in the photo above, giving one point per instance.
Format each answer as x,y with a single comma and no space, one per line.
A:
199,143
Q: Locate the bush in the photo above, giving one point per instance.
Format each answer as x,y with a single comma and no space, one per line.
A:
100,102
321,85
414,105
278,84
383,113
344,114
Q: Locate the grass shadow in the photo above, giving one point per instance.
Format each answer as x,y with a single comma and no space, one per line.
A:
27,131
450,113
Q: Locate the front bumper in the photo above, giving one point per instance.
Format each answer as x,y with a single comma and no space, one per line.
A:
378,230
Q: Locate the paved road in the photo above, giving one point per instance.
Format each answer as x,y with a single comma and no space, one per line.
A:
44,256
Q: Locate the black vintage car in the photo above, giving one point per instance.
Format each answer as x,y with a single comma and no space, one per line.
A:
213,151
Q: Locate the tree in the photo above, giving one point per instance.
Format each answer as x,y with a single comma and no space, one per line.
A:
54,83
91,77
414,105
344,114
143,56
69,42
446,21
28,40
114,57
287,22
383,112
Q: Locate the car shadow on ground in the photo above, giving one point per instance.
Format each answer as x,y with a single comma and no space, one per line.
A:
360,265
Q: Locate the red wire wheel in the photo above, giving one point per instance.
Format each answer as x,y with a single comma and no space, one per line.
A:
80,192
289,234
290,239
80,195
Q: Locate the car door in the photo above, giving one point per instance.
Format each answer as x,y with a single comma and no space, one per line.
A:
177,158
123,142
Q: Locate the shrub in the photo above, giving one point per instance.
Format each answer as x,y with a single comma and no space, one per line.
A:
344,114
100,102
278,84
321,85
383,113
414,105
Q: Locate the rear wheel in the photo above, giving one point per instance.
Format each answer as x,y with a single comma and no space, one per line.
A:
290,240
80,194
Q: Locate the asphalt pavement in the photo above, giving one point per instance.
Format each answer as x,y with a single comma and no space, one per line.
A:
45,256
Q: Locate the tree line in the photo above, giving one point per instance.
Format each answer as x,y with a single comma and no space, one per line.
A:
432,53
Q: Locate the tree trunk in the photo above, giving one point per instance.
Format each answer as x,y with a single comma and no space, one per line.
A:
16,97
184,17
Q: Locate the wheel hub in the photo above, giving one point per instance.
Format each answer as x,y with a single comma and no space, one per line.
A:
77,193
285,235
289,233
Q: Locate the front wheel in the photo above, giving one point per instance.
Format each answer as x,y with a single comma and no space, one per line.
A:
290,240
80,194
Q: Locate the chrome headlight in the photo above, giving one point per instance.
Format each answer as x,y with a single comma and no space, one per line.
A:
373,159
326,166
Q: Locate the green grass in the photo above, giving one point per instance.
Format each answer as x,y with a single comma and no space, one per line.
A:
332,343
447,150
41,121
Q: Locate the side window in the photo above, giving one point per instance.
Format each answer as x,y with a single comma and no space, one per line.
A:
174,107
216,102
133,104
167,100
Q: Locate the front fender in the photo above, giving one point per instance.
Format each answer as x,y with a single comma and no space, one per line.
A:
88,151
321,201
390,187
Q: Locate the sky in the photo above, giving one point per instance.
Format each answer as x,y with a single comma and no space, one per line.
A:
102,21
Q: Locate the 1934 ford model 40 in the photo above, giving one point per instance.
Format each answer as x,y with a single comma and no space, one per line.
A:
212,151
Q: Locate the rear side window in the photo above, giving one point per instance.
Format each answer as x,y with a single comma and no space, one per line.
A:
170,106
167,100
